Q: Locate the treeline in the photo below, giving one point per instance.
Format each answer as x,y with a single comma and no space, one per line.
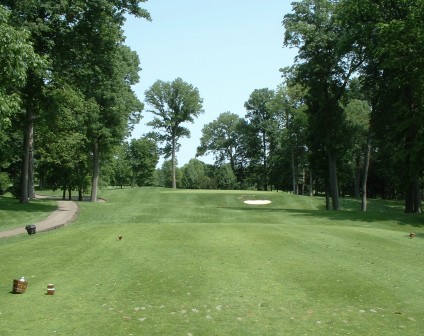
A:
349,116
66,101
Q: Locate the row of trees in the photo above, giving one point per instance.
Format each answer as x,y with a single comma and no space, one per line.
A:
65,90
347,119
381,42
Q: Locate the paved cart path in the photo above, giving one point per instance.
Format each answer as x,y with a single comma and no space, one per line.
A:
65,213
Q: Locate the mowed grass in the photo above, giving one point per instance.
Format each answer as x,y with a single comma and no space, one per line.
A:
204,263
13,214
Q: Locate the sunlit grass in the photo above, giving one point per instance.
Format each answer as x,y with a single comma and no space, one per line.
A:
205,263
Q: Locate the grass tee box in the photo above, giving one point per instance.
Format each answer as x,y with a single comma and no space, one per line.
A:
206,263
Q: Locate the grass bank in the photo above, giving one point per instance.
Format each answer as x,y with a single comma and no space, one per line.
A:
205,263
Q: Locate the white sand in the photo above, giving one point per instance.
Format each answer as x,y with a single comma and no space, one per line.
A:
257,202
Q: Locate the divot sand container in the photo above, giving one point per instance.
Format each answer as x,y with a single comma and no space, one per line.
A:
19,286
50,289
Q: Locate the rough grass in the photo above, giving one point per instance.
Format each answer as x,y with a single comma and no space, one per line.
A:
205,263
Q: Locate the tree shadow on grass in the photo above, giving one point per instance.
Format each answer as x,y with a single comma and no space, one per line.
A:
393,216
11,204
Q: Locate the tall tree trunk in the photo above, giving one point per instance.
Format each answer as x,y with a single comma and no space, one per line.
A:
327,195
174,179
294,174
265,173
357,181
31,187
27,153
365,173
334,188
96,171
311,183
413,197
417,197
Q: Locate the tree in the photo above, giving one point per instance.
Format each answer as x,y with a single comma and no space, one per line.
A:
17,60
62,156
173,104
194,175
143,155
16,57
325,62
262,120
107,70
165,175
225,178
121,166
220,137
289,109
389,33
82,44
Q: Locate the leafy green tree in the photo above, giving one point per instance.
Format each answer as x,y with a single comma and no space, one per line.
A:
194,175
144,157
165,175
113,68
289,108
82,43
389,33
62,157
173,104
248,167
121,166
16,57
262,120
325,62
357,116
225,177
220,137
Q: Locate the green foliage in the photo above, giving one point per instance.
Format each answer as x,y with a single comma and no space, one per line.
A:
220,138
63,161
173,103
326,60
389,35
263,123
4,183
225,177
143,155
16,57
82,46
165,175
194,175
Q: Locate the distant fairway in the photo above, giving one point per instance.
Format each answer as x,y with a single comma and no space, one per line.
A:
199,263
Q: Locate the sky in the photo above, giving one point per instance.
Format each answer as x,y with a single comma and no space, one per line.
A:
224,48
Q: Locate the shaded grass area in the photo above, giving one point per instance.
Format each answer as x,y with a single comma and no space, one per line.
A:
204,263
14,214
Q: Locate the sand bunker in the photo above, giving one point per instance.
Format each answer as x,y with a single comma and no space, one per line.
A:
257,202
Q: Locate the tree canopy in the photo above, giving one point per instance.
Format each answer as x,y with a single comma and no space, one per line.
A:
173,104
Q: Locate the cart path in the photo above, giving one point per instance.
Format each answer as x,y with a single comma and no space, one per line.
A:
66,212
